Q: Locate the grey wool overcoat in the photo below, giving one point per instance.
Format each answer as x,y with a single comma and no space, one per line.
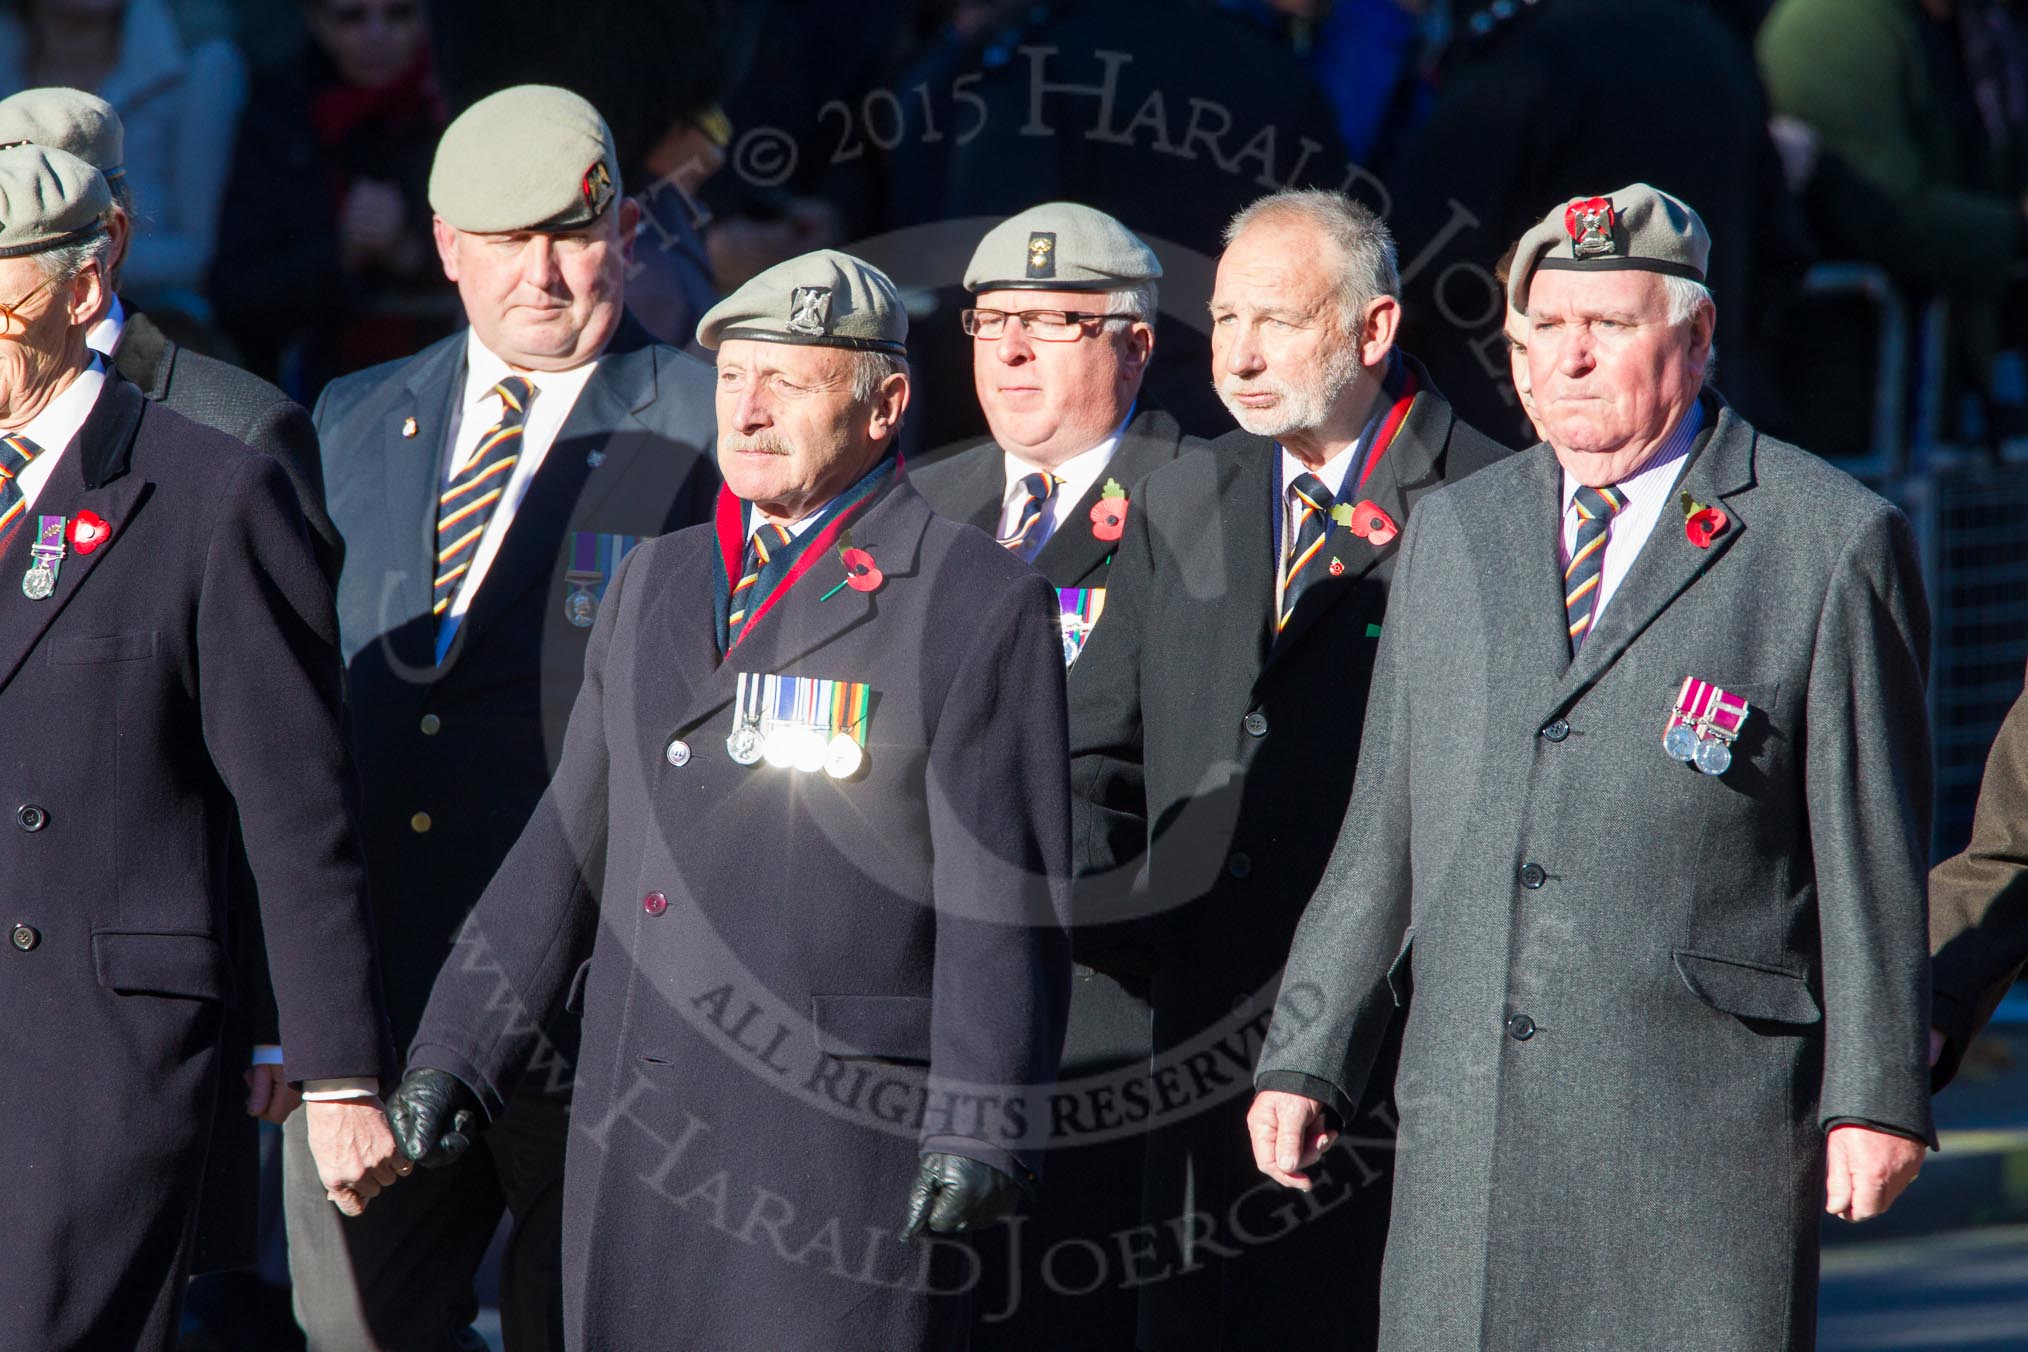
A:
1638,994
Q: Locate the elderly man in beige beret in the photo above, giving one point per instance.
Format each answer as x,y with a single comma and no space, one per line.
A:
169,682
1638,839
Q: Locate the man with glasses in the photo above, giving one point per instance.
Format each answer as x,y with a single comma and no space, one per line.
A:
168,670
1215,721
1062,334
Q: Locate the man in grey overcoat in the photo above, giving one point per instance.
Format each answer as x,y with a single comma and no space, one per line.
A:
1638,835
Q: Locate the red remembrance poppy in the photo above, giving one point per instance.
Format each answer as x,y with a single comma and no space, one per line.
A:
862,574
1373,525
87,531
1108,518
1705,526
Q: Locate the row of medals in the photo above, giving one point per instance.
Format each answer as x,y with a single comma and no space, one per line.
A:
1701,743
794,746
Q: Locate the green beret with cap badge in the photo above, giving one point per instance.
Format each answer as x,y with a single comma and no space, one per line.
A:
1637,228
1060,246
820,299
533,157
49,199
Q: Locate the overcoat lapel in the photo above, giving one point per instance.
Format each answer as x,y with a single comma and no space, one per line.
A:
91,476
1524,576
412,467
1721,465
984,487
1073,551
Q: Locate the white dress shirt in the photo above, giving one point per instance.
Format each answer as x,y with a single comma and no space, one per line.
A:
477,413
1649,495
1078,474
1332,472
53,430
104,336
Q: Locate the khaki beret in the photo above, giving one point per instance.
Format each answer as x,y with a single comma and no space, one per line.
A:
1060,246
821,299
1636,229
66,119
533,157
48,199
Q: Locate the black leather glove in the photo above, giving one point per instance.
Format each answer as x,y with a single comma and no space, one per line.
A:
954,1194
435,1117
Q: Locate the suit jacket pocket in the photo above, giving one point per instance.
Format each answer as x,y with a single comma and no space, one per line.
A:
79,649
1401,973
873,1027
1748,989
190,966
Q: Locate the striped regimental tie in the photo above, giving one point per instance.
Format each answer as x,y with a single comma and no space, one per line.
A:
1596,508
1039,488
467,505
767,539
1300,567
15,454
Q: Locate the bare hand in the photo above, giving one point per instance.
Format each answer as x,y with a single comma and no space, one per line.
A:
1288,1135
354,1150
370,224
1867,1170
269,1095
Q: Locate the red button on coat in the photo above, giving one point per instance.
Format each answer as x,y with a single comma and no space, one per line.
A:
654,903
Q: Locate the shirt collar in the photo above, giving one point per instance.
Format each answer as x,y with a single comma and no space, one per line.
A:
104,336
484,369
63,417
1662,467
1081,468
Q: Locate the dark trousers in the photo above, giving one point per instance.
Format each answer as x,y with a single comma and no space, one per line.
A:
399,1278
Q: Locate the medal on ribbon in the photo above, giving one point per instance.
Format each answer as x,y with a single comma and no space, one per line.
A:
744,743
1081,607
39,582
1703,726
594,558
801,723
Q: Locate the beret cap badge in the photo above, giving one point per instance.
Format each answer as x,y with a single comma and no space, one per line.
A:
810,310
1590,223
598,187
1042,253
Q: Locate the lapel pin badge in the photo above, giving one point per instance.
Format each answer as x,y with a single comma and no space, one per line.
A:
595,458
87,531
1109,513
408,428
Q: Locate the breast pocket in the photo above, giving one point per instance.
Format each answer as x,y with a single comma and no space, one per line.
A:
87,649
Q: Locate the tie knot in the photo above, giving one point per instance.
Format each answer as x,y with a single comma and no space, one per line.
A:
1311,490
515,392
1596,504
1039,485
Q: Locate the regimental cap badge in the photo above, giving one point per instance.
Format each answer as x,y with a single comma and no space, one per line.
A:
1590,223
598,187
810,310
1042,253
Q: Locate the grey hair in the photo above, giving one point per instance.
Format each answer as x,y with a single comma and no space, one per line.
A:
1139,300
59,266
1686,298
870,371
1366,259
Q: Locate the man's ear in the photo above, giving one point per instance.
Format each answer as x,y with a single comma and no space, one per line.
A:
890,401
446,236
89,295
1377,330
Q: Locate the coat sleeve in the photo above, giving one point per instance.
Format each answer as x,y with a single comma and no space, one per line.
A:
1000,837
536,922
1336,1003
1978,901
1866,786
271,707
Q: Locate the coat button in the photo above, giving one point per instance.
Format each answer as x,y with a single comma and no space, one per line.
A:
419,823
431,725
1255,724
1239,865
1532,876
1520,1027
24,938
31,817
679,753
654,903
1557,731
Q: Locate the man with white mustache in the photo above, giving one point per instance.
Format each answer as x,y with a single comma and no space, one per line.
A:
1215,721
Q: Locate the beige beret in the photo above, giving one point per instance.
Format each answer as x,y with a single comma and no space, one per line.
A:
1635,229
48,199
821,299
533,157
1060,246
66,119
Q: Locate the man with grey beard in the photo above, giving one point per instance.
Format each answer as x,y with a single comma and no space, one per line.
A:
1215,722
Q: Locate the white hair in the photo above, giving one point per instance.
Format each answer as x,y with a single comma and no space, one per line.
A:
1367,268
1138,300
1686,298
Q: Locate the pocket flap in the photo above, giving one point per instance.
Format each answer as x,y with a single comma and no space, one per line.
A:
1750,990
573,1001
188,965
1401,973
883,1027
79,649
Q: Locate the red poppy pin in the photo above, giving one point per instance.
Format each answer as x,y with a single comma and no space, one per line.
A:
862,574
88,530
1109,513
1701,523
1367,521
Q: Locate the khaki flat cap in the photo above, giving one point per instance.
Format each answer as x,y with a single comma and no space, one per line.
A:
48,199
821,299
533,157
1060,246
66,119
1635,229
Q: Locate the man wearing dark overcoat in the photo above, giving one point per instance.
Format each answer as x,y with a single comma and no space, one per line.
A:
168,666
804,866
1638,838
487,489
1214,723
1061,338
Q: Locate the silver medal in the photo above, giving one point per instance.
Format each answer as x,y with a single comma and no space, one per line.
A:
1680,742
744,745
1714,757
844,757
38,582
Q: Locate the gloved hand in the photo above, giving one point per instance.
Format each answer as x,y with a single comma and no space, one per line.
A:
954,1194
435,1117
